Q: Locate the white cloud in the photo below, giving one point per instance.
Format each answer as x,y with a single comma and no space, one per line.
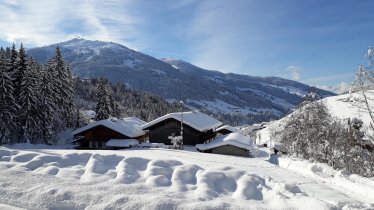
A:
339,88
293,72
38,23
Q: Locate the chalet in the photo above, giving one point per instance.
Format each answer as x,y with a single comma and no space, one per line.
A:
110,133
231,144
197,127
226,129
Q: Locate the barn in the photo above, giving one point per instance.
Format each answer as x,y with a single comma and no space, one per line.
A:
231,144
197,127
96,135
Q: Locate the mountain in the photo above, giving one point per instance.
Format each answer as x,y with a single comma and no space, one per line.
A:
236,98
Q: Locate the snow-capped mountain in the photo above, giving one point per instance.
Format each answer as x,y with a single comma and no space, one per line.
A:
213,91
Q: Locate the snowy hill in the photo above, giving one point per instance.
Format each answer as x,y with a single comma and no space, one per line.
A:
238,98
342,107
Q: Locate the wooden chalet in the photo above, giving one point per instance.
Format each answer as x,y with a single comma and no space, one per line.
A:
95,135
197,127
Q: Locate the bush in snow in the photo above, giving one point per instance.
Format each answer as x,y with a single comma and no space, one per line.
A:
313,134
176,141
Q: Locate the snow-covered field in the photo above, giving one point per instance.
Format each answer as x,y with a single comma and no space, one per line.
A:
52,178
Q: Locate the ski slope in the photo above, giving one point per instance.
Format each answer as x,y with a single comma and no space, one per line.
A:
52,178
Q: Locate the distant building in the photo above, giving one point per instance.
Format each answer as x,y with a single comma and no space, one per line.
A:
226,129
231,144
96,135
197,127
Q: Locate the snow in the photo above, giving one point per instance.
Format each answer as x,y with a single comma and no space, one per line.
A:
137,178
219,106
342,107
273,99
234,139
195,119
122,143
228,127
158,71
90,114
130,126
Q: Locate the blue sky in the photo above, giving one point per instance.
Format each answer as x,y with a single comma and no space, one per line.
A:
315,42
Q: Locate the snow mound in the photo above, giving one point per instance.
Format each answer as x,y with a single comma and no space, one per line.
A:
70,179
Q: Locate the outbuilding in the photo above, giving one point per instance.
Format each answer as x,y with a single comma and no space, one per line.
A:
96,135
197,127
231,144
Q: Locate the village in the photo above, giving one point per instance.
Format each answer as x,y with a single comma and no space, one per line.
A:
190,129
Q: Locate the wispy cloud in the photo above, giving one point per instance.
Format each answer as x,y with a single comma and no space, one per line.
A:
324,79
339,88
51,21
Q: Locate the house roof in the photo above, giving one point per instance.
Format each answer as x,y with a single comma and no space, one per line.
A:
233,139
228,127
122,142
130,126
194,119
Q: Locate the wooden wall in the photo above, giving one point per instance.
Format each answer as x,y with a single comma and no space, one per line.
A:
160,132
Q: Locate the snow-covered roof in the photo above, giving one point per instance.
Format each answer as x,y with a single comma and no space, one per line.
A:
194,119
228,127
130,126
122,142
234,139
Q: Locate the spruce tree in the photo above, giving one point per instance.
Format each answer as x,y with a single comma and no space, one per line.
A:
8,106
28,102
20,71
103,106
46,106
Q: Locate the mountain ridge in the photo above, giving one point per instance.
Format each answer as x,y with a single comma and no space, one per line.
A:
242,98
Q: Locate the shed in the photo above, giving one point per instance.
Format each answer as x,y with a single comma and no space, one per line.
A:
95,135
231,144
197,127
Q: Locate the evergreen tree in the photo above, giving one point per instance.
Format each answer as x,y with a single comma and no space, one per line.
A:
8,106
103,106
46,106
28,101
19,72
69,108
13,63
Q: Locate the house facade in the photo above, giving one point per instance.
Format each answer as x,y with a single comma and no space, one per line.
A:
95,135
197,128
230,144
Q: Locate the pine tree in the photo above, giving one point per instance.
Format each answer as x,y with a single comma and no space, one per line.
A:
46,107
69,108
13,55
19,71
103,106
8,106
28,102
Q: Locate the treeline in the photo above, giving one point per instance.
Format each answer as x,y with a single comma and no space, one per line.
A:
312,133
117,100
36,101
